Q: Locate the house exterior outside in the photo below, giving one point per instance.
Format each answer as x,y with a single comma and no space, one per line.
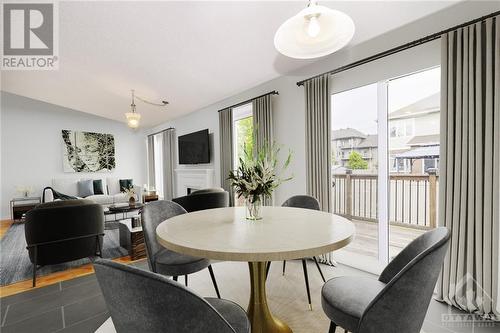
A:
414,136
347,140
413,140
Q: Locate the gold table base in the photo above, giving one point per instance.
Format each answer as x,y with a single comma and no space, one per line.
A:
258,312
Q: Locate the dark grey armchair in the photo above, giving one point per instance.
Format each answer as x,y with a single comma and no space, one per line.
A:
204,199
398,300
162,260
307,202
141,301
62,231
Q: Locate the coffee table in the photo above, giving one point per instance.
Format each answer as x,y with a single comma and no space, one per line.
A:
284,233
123,210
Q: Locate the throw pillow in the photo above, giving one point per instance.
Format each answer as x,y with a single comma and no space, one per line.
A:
125,184
85,188
98,186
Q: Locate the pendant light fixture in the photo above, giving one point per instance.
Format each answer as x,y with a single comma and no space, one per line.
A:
133,117
314,32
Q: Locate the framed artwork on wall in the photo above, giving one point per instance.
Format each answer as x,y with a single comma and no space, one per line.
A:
88,151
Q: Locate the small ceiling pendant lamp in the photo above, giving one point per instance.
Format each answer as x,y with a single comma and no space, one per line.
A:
133,117
314,32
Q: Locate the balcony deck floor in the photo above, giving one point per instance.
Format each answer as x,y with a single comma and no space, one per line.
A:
366,239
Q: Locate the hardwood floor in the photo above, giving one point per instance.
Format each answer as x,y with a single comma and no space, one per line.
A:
52,278
4,226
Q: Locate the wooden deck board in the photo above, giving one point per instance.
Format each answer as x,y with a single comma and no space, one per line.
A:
366,239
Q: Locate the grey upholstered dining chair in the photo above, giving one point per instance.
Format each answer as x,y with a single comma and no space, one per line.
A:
307,202
398,300
162,260
141,301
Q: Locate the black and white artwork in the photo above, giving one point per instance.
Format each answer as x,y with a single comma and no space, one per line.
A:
88,152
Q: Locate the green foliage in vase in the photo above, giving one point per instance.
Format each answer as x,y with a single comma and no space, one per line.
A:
259,174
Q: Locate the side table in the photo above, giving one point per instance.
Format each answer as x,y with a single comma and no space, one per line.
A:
20,206
149,197
132,239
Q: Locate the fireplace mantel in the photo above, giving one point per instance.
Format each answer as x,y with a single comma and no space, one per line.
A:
193,178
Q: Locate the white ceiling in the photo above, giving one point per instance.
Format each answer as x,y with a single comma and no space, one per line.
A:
192,54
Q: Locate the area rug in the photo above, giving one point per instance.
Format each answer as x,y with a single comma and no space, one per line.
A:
15,264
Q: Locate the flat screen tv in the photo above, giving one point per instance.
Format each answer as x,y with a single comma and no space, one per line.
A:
194,148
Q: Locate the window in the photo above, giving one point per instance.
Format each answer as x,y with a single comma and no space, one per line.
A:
242,137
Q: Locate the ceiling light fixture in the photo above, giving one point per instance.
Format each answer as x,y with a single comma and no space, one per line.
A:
314,32
133,117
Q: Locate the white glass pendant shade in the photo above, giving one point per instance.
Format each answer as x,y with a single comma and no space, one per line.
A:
133,119
314,32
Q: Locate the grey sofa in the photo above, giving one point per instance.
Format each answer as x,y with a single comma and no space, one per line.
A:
396,302
141,301
111,188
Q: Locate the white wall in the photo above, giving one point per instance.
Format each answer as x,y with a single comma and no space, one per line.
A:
288,107
31,146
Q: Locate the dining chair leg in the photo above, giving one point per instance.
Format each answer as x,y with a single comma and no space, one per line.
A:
212,275
174,277
306,277
319,269
333,327
284,265
186,280
268,266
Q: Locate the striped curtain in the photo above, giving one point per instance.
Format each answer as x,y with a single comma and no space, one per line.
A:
318,140
263,128
151,160
168,159
318,145
226,150
470,162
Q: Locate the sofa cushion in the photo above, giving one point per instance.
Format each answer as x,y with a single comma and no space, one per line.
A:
85,188
98,189
120,198
125,184
65,186
101,199
113,185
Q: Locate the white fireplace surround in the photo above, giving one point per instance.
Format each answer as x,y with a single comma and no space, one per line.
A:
194,179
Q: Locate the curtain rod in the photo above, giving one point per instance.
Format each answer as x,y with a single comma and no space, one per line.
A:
400,48
166,129
274,92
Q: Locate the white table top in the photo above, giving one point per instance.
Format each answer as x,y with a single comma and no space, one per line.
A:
283,233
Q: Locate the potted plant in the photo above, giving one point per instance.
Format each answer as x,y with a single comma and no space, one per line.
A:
257,177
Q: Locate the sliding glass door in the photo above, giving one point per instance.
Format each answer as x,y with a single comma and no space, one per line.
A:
385,151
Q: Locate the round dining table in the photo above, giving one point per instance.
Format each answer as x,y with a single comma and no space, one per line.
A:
283,233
